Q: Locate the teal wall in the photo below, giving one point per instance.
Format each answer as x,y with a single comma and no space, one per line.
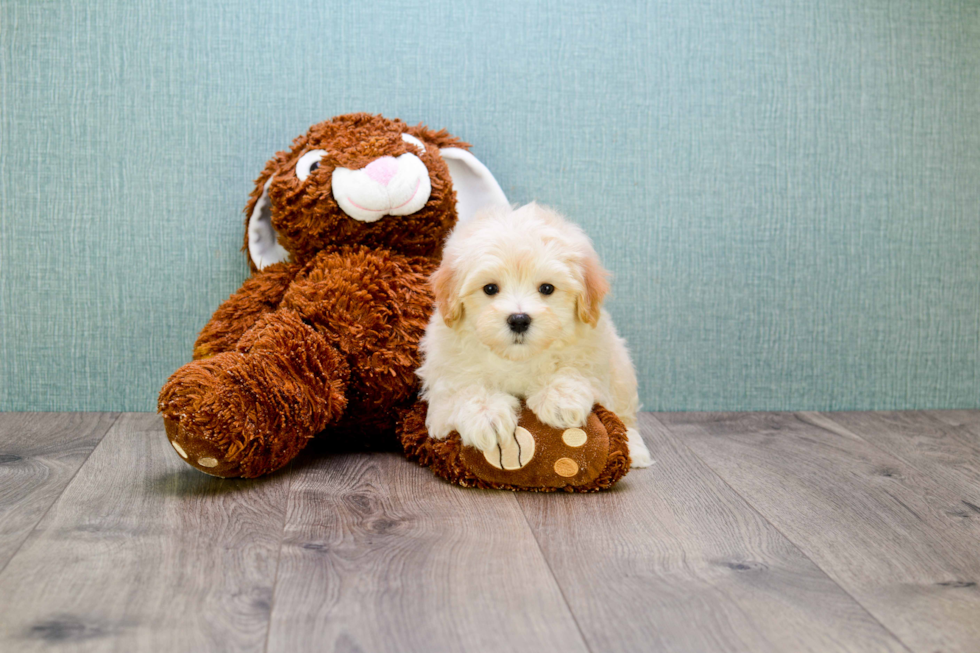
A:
787,192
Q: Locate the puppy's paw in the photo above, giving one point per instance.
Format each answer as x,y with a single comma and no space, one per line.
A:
564,403
639,454
439,418
488,421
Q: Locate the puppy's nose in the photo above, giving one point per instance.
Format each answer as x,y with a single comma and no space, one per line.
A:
519,322
382,170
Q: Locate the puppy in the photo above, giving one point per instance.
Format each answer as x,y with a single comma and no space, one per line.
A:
519,316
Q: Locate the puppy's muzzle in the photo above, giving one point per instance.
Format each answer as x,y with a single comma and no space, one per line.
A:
519,322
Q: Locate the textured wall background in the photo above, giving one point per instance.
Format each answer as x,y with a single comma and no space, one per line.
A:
787,192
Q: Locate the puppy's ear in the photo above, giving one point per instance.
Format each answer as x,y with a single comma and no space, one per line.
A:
595,285
445,286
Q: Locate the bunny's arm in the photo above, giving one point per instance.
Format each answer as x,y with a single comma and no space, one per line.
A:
260,294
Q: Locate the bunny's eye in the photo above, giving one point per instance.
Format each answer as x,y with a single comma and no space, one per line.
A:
308,163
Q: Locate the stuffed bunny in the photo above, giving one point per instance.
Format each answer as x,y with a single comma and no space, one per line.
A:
343,231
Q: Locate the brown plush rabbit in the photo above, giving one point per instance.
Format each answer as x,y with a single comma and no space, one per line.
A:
343,231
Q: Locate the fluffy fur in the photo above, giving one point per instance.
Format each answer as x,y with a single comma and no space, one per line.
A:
476,369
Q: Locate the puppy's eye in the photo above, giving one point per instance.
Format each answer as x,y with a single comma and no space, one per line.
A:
491,289
546,289
308,163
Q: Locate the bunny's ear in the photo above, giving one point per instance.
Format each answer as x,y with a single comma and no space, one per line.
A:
474,184
263,244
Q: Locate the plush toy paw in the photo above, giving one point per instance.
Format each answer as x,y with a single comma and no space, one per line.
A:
216,423
210,419
563,403
199,404
199,452
538,457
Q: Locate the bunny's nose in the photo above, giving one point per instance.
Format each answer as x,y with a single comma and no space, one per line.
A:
382,170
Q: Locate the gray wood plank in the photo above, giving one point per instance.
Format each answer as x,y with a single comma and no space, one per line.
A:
887,533
969,419
674,560
380,555
142,553
946,452
39,455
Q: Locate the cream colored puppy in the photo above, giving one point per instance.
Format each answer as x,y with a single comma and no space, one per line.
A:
519,316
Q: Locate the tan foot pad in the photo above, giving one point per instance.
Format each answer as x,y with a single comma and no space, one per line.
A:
515,454
199,453
541,459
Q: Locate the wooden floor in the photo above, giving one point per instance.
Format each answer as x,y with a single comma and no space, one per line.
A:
752,532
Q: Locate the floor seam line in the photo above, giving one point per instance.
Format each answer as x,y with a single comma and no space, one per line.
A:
551,572
803,553
61,494
282,541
